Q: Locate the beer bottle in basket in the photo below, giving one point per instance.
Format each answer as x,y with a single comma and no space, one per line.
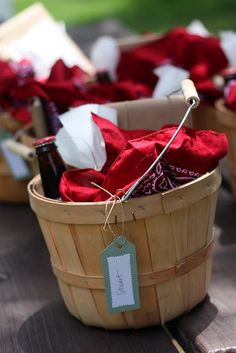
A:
51,165
229,75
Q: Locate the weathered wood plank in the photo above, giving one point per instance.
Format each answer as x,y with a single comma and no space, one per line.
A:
211,326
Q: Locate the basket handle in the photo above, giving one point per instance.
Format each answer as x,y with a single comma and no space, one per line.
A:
192,100
190,93
19,148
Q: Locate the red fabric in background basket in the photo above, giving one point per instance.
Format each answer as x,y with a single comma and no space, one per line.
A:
201,56
68,87
192,153
230,95
14,75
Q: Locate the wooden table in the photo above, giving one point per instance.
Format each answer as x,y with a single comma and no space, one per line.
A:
211,327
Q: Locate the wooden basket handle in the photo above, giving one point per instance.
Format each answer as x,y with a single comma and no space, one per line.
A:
22,150
190,93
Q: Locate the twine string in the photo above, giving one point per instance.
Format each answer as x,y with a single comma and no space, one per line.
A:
112,201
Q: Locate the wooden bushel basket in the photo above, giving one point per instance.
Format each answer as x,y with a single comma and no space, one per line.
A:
172,232
11,190
227,121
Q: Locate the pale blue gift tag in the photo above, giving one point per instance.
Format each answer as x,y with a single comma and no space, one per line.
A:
120,275
17,164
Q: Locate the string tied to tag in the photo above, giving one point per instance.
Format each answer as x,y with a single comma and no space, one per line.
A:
111,203
119,264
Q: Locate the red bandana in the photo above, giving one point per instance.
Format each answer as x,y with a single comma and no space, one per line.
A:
230,95
191,154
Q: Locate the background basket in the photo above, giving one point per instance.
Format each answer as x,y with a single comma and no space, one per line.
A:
227,121
172,232
204,117
13,190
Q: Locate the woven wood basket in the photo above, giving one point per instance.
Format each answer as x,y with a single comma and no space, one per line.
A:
11,190
205,118
227,120
172,232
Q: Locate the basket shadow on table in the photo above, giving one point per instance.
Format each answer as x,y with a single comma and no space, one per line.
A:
196,321
53,329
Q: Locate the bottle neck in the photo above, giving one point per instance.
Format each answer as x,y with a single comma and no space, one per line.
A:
46,148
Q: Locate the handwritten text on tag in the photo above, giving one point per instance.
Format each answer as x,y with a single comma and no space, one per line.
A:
120,275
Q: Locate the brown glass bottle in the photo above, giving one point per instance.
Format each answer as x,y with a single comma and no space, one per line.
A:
229,74
51,165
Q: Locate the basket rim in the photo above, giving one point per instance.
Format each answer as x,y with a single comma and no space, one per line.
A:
134,209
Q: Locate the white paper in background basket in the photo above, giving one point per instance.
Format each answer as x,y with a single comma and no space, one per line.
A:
119,268
197,27
43,45
228,44
170,78
17,164
109,62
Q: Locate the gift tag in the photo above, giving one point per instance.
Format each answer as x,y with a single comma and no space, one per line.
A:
120,274
17,164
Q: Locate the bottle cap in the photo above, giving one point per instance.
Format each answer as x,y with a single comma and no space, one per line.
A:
229,74
44,141
229,71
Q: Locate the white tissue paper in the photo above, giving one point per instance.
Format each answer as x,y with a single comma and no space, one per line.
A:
170,78
197,27
228,44
105,55
43,44
80,141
